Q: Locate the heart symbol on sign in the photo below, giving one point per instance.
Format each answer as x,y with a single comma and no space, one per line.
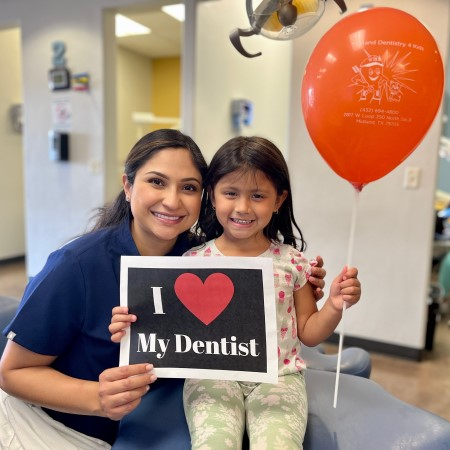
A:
205,300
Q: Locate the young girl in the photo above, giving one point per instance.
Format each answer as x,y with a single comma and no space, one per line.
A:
247,211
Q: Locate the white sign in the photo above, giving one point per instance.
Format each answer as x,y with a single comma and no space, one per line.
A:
205,317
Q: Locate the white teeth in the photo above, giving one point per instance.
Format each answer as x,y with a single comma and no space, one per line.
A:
163,216
242,222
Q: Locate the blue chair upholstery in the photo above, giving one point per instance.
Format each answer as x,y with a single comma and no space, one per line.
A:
367,417
8,307
354,360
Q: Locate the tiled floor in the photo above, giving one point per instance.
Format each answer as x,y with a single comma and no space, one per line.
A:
425,384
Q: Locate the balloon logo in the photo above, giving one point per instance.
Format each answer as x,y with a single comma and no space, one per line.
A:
371,90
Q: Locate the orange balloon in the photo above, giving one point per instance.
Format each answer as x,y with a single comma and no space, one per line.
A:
371,90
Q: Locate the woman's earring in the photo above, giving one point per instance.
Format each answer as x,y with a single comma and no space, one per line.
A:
276,212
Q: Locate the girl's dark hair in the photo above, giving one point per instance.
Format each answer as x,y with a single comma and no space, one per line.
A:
144,149
243,154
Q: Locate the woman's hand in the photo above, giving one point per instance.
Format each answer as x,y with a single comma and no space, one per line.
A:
316,278
121,389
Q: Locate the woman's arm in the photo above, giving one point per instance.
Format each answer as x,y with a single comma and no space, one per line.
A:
28,376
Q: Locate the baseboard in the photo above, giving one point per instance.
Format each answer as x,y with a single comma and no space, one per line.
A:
12,259
379,347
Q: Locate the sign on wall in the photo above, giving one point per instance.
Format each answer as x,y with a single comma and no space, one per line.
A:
205,317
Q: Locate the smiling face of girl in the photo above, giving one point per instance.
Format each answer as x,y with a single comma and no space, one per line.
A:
245,203
165,200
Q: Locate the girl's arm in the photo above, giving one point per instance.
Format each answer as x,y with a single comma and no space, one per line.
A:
28,376
314,326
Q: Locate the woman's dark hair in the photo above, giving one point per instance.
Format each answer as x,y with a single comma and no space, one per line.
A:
144,149
251,154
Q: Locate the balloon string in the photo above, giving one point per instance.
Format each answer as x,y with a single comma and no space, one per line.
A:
349,260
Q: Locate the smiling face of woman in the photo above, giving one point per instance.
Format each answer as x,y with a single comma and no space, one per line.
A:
165,200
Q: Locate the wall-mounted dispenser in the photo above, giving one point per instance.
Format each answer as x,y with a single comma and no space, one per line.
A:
16,114
58,145
241,113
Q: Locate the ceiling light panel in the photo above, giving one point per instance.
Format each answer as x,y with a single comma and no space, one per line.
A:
128,27
176,11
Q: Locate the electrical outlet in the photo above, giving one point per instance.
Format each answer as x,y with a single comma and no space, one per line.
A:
411,178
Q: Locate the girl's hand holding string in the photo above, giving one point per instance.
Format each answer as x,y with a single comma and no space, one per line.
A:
345,288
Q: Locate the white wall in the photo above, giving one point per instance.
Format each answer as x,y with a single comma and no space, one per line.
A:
12,236
395,226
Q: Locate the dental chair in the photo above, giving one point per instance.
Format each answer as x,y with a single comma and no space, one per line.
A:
366,417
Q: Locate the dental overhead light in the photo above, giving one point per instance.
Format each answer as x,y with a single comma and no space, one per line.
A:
280,20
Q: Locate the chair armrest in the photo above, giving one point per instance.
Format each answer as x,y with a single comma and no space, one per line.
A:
367,417
354,360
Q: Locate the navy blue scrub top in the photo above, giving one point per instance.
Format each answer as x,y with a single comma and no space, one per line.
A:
66,311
